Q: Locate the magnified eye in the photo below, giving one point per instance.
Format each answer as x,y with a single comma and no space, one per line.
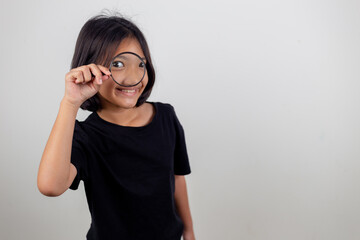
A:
141,65
118,64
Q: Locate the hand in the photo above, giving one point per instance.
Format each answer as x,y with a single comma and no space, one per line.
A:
188,234
80,83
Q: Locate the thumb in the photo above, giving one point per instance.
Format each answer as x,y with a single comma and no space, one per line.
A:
100,81
105,77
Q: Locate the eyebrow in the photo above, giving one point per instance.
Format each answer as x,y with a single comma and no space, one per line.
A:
143,58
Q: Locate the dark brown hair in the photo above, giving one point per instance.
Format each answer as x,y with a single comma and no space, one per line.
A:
98,40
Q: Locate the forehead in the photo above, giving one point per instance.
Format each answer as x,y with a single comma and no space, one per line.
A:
129,45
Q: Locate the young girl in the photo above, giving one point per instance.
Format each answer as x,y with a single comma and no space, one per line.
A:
129,152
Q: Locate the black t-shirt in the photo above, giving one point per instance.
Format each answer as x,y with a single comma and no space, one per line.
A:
128,175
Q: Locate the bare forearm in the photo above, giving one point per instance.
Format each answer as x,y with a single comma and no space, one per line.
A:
54,167
182,202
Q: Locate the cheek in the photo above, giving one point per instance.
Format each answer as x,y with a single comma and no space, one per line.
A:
145,81
107,86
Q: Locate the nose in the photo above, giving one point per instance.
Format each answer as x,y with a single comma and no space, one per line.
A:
133,75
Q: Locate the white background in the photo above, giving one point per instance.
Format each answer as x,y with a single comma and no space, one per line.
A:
267,92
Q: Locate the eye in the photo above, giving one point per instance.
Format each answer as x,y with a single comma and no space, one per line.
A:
118,64
141,65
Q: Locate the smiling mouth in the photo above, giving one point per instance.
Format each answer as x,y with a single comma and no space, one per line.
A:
128,92
128,88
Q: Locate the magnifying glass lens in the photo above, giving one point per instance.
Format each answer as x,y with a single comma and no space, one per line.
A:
127,69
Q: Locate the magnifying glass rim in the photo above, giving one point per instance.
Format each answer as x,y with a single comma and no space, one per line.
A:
122,54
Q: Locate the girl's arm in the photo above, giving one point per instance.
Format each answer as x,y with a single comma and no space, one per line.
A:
56,173
182,205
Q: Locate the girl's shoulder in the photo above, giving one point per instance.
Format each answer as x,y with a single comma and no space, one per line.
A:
164,106
165,109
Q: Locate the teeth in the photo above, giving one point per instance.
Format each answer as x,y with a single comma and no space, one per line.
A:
128,91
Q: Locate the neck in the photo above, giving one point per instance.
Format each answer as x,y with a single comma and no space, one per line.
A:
117,114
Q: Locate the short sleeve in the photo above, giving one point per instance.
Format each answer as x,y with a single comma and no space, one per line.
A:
181,159
78,156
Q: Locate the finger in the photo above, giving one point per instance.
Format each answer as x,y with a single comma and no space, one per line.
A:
78,76
95,71
105,70
86,73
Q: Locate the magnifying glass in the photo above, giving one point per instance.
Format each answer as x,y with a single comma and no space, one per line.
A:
127,69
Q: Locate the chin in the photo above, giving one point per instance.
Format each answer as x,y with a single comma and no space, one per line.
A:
128,103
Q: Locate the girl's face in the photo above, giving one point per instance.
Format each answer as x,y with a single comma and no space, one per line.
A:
109,94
